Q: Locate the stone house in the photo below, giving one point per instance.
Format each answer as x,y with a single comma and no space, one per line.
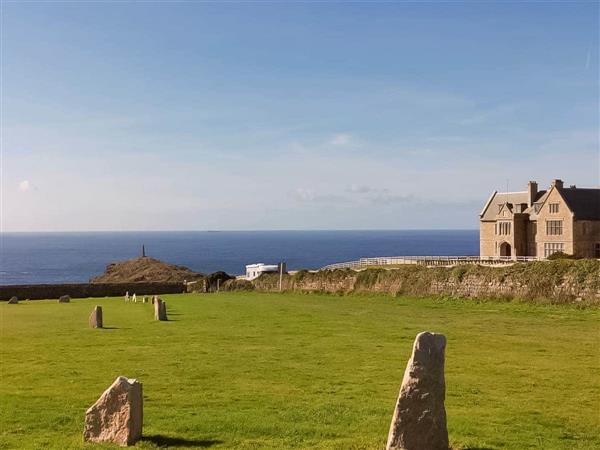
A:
541,222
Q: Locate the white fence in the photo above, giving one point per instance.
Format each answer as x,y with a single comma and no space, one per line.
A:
431,261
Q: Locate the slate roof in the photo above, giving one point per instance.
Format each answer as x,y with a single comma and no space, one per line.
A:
583,202
513,198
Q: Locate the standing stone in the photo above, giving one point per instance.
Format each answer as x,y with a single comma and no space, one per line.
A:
96,317
117,416
419,420
163,311
157,307
134,298
64,299
160,310
13,300
127,296
145,299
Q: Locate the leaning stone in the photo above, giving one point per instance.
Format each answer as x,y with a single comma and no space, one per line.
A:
13,300
117,416
64,299
96,317
419,420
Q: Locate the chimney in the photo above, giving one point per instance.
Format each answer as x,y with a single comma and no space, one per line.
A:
532,190
558,183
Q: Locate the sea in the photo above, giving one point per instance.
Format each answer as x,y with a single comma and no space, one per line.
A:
35,258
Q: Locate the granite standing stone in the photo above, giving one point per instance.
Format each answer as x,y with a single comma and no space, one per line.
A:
96,317
160,310
13,300
117,416
157,302
64,299
419,421
163,311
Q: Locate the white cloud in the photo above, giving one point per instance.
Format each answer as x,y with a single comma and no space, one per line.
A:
303,195
341,139
360,189
24,186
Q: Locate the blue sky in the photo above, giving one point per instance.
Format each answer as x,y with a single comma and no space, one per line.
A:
182,116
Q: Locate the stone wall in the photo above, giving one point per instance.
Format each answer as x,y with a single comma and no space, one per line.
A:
83,290
561,281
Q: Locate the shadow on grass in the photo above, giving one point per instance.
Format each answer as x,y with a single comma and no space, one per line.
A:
478,448
168,441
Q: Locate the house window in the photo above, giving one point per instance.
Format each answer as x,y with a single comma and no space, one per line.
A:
553,247
554,227
503,228
553,208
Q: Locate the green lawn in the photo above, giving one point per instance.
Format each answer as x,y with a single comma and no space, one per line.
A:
250,371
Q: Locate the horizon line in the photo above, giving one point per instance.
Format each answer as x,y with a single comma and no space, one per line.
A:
238,230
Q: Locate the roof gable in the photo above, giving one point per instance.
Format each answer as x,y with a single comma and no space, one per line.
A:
505,211
487,205
490,211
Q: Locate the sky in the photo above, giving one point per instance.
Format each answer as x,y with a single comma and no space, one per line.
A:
295,115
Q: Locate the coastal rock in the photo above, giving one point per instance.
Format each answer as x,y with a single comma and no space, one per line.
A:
96,317
13,300
419,421
64,299
117,416
146,269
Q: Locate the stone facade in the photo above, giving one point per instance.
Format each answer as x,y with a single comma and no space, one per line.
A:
540,223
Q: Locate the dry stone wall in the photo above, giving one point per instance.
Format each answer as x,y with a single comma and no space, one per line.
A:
84,290
560,281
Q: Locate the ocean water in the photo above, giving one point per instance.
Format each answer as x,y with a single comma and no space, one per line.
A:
27,258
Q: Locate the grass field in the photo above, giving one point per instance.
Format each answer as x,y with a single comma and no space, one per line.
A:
250,371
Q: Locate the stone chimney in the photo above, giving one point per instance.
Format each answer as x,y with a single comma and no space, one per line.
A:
532,190
558,183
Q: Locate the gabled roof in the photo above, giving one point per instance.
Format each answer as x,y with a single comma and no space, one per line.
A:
488,203
583,202
490,210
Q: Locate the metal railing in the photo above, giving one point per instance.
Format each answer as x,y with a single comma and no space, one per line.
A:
430,261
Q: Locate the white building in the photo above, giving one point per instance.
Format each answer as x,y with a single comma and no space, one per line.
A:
256,270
